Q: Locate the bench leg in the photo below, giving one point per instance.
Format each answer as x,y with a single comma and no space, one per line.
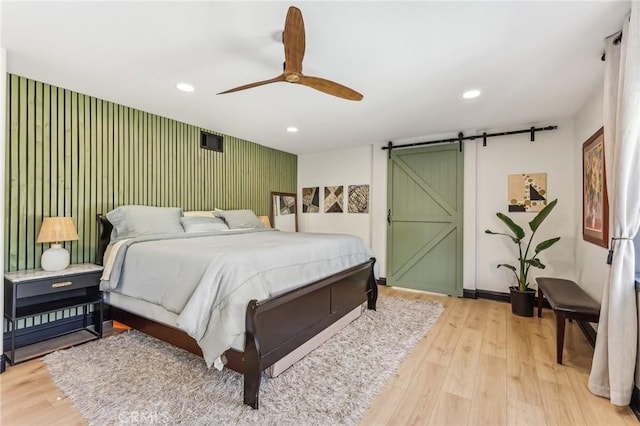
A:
540,296
559,336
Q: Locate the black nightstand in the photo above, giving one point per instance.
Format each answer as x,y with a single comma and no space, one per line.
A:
36,292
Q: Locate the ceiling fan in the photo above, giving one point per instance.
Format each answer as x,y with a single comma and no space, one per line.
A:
293,39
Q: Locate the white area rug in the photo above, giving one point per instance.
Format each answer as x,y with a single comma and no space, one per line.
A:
134,379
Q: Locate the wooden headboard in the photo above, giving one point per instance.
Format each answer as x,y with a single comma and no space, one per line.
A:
104,231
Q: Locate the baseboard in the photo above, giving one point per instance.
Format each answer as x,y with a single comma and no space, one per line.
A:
635,402
498,296
488,294
382,281
469,294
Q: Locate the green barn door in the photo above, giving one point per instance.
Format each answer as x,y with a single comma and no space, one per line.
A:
424,238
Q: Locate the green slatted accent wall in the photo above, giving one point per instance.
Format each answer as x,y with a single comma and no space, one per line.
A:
69,154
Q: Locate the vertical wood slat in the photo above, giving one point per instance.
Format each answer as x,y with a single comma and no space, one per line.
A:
69,154
21,190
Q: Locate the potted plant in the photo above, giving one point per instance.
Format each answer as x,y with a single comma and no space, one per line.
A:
522,297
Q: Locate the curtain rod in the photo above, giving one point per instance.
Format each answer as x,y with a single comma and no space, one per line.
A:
532,131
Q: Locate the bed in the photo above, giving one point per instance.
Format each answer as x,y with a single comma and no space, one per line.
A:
276,327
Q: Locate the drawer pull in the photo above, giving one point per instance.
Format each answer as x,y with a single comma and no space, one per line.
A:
61,284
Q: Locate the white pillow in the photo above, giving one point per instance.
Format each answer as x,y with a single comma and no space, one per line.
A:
203,224
198,213
136,221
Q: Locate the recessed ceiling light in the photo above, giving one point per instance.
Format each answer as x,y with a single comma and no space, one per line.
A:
470,94
184,87
292,129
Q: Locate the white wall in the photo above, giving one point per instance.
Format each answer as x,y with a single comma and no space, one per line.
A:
348,167
551,153
590,267
486,171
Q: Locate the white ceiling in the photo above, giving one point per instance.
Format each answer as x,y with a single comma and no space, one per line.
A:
533,61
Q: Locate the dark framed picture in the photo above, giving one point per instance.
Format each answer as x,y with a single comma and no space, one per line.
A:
595,206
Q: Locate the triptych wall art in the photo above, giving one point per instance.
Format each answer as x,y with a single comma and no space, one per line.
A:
311,200
333,201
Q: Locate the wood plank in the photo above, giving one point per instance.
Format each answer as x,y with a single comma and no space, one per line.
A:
494,341
522,414
543,343
421,396
53,154
80,181
477,316
30,164
412,364
47,162
522,380
560,404
383,407
21,193
444,346
596,411
460,378
450,410
13,210
489,402
39,165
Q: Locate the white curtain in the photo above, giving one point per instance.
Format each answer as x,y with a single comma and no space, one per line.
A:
614,360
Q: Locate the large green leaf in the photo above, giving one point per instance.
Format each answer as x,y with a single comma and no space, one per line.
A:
535,262
546,244
516,229
513,268
514,239
542,215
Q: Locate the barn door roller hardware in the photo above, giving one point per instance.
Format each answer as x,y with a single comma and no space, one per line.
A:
532,131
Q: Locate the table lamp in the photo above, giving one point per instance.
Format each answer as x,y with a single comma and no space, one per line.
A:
265,220
54,230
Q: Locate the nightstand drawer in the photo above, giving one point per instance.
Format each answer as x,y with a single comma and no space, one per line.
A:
57,284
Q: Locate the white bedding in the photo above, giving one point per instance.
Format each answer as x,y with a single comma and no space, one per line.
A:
207,280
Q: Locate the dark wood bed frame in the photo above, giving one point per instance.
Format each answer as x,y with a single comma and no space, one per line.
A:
275,326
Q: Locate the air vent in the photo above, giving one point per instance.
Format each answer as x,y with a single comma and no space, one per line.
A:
211,142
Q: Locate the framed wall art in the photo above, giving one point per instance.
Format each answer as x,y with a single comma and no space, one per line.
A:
527,192
595,206
333,199
358,198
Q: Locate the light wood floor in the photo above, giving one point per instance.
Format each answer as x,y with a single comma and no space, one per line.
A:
479,365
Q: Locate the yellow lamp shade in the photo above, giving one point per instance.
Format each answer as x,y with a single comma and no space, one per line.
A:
56,229
265,220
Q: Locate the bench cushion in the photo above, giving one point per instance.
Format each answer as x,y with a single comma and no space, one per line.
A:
567,296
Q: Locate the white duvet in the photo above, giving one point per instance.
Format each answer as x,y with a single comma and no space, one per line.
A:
208,279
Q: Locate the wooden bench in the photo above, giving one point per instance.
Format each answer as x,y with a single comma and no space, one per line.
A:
568,301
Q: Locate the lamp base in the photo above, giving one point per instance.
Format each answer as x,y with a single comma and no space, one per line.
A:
55,258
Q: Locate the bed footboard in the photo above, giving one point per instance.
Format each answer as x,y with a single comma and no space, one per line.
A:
277,326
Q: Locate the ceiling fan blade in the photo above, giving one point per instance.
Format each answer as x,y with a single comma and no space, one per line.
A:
293,39
330,87
256,84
